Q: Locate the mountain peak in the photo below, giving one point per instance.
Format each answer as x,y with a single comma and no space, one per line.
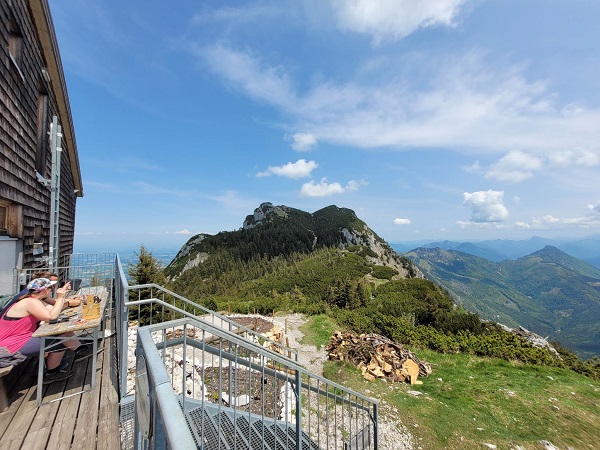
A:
281,230
260,214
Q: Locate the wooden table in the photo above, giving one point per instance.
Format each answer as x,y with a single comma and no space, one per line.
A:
54,331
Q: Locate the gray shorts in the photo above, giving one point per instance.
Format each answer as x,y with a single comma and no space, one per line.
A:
32,346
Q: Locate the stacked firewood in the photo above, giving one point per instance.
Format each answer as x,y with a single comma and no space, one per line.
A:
377,357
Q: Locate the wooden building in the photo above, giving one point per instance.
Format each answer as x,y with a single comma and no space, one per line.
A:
33,93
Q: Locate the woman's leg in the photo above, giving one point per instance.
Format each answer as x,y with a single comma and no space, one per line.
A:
71,343
53,360
55,349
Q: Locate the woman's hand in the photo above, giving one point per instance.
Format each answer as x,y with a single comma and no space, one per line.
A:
74,301
61,292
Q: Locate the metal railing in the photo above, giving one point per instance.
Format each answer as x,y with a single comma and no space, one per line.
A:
234,394
229,386
149,304
81,272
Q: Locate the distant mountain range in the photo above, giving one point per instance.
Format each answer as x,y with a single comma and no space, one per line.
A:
587,249
548,291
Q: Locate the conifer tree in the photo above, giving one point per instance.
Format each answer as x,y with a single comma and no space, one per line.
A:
147,270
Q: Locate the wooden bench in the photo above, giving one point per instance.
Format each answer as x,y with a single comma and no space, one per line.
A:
3,397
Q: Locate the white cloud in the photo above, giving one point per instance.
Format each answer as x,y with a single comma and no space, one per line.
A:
463,105
323,189
398,221
473,168
551,222
299,169
576,157
184,231
522,225
354,185
547,219
303,142
595,208
515,167
247,73
486,206
394,19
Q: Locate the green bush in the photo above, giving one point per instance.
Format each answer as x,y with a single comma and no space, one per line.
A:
384,272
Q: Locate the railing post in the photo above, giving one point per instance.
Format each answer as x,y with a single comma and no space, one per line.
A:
375,434
229,369
298,410
124,340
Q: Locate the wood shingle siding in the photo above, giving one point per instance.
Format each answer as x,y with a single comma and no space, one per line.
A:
34,71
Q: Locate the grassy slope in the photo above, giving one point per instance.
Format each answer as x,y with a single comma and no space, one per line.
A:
482,400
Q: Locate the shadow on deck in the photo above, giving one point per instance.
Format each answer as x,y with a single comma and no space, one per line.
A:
88,421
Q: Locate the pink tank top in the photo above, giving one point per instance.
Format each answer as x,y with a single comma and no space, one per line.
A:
15,332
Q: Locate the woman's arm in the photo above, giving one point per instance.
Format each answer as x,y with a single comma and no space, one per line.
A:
37,309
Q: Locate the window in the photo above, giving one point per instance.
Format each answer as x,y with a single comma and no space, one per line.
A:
3,220
11,219
42,134
15,42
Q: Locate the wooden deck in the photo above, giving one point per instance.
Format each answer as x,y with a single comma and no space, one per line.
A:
86,421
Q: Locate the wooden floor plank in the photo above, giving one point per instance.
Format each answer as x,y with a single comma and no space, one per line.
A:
66,417
87,421
19,385
108,427
36,439
85,435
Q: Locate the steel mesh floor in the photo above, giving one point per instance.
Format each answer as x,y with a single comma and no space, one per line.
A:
127,421
224,428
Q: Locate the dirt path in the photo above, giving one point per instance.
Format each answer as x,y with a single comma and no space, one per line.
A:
308,355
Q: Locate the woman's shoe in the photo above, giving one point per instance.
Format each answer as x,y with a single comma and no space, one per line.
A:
83,352
57,375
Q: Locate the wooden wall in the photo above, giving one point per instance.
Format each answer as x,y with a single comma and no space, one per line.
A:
22,82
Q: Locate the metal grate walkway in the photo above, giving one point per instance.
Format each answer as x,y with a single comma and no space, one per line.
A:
215,427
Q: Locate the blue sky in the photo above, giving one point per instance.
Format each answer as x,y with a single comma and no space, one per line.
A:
437,119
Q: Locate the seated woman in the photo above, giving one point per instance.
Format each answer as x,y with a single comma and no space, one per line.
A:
73,301
20,321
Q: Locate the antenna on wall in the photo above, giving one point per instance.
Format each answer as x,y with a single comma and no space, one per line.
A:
55,147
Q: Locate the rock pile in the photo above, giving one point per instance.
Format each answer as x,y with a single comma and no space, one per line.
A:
535,339
377,357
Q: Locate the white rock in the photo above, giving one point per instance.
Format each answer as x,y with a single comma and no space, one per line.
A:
548,445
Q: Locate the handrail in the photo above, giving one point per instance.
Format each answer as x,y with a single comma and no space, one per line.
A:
232,323
123,290
272,354
337,410
276,357
174,429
